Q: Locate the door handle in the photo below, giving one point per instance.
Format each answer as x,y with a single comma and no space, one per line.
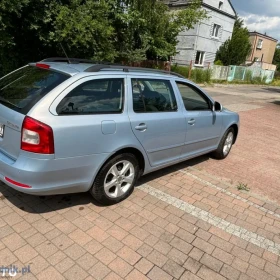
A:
191,122
141,127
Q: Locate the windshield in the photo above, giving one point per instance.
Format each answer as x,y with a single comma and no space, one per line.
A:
22,89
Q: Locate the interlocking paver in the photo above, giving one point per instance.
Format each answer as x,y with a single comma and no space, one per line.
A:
99,271
87,261
192,265
46,249
105,256
144,266
75,272
173,269
13,241
158,274
152,237
50,273
211,262
25,253
129,255
64,265
135,274
120,267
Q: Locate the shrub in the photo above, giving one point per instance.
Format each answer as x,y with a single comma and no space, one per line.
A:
219,62
197,75
182,70
200,75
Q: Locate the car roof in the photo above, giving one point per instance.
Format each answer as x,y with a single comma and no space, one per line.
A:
86,66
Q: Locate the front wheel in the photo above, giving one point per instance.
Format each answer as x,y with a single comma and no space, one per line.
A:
225,144
116,179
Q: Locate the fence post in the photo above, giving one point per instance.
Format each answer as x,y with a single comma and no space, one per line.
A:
190,70
245,70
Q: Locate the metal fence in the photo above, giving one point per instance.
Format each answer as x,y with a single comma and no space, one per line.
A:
219,72
241,73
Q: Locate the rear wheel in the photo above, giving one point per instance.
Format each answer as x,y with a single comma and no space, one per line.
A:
116,179
225,144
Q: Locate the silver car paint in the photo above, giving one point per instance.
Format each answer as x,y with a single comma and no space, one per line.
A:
83,143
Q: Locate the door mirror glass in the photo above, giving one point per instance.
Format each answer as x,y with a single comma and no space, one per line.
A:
218,107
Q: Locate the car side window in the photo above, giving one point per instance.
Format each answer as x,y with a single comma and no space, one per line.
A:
103,96
152,95
193,99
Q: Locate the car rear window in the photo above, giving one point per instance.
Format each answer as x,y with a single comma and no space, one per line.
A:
22,89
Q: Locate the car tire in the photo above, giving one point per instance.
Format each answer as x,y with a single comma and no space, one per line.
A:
116,179
225,145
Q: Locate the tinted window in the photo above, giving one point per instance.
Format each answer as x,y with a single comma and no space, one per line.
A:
25,87
102,96
194,100
153,96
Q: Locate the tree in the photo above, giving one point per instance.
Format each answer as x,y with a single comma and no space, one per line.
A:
276,58
103,30
234,51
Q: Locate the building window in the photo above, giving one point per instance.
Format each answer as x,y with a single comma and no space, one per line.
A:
260,44
199,59
221,5
216,30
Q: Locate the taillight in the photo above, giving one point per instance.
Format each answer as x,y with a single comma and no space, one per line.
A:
36,137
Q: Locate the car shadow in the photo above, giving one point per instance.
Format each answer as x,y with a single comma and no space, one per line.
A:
45,204
272,89
276,102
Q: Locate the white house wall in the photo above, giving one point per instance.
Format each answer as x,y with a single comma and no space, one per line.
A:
226,6
200,38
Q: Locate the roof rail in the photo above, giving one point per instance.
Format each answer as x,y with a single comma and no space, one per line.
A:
99,67
72,60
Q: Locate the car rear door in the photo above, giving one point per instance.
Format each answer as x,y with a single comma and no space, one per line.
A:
155,118
204,126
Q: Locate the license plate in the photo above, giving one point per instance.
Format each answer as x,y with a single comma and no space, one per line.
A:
1,130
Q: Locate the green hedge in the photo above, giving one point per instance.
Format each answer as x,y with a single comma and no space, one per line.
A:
197,75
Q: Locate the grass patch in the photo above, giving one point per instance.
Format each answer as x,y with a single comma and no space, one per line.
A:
243,187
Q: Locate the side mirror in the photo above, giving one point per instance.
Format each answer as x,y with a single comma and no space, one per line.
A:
217,107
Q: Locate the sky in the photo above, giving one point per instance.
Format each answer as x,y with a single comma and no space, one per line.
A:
260,15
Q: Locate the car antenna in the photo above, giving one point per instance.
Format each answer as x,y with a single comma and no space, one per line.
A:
65,53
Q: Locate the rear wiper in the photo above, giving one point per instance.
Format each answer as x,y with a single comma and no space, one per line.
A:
5,102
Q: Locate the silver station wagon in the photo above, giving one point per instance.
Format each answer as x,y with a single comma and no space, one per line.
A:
76,126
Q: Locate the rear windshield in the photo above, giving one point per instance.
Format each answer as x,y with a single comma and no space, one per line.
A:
22,89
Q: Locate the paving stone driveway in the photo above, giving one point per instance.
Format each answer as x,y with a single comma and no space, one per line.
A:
185,222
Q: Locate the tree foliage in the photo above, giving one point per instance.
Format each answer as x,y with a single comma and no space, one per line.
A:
234,51
276,58
111,30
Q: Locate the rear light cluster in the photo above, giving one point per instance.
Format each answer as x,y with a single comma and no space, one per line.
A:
36,137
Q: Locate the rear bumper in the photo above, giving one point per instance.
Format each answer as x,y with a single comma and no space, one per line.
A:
51,176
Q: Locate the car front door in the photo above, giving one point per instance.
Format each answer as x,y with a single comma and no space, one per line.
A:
155,119
203,124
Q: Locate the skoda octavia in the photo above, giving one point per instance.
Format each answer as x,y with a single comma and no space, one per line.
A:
76,126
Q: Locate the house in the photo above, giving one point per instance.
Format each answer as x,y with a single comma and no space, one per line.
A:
263,49
200,44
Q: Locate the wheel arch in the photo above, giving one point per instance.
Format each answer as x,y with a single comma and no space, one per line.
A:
236,130
139,155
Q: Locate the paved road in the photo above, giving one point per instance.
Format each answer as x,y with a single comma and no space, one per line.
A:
255,159
184,222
